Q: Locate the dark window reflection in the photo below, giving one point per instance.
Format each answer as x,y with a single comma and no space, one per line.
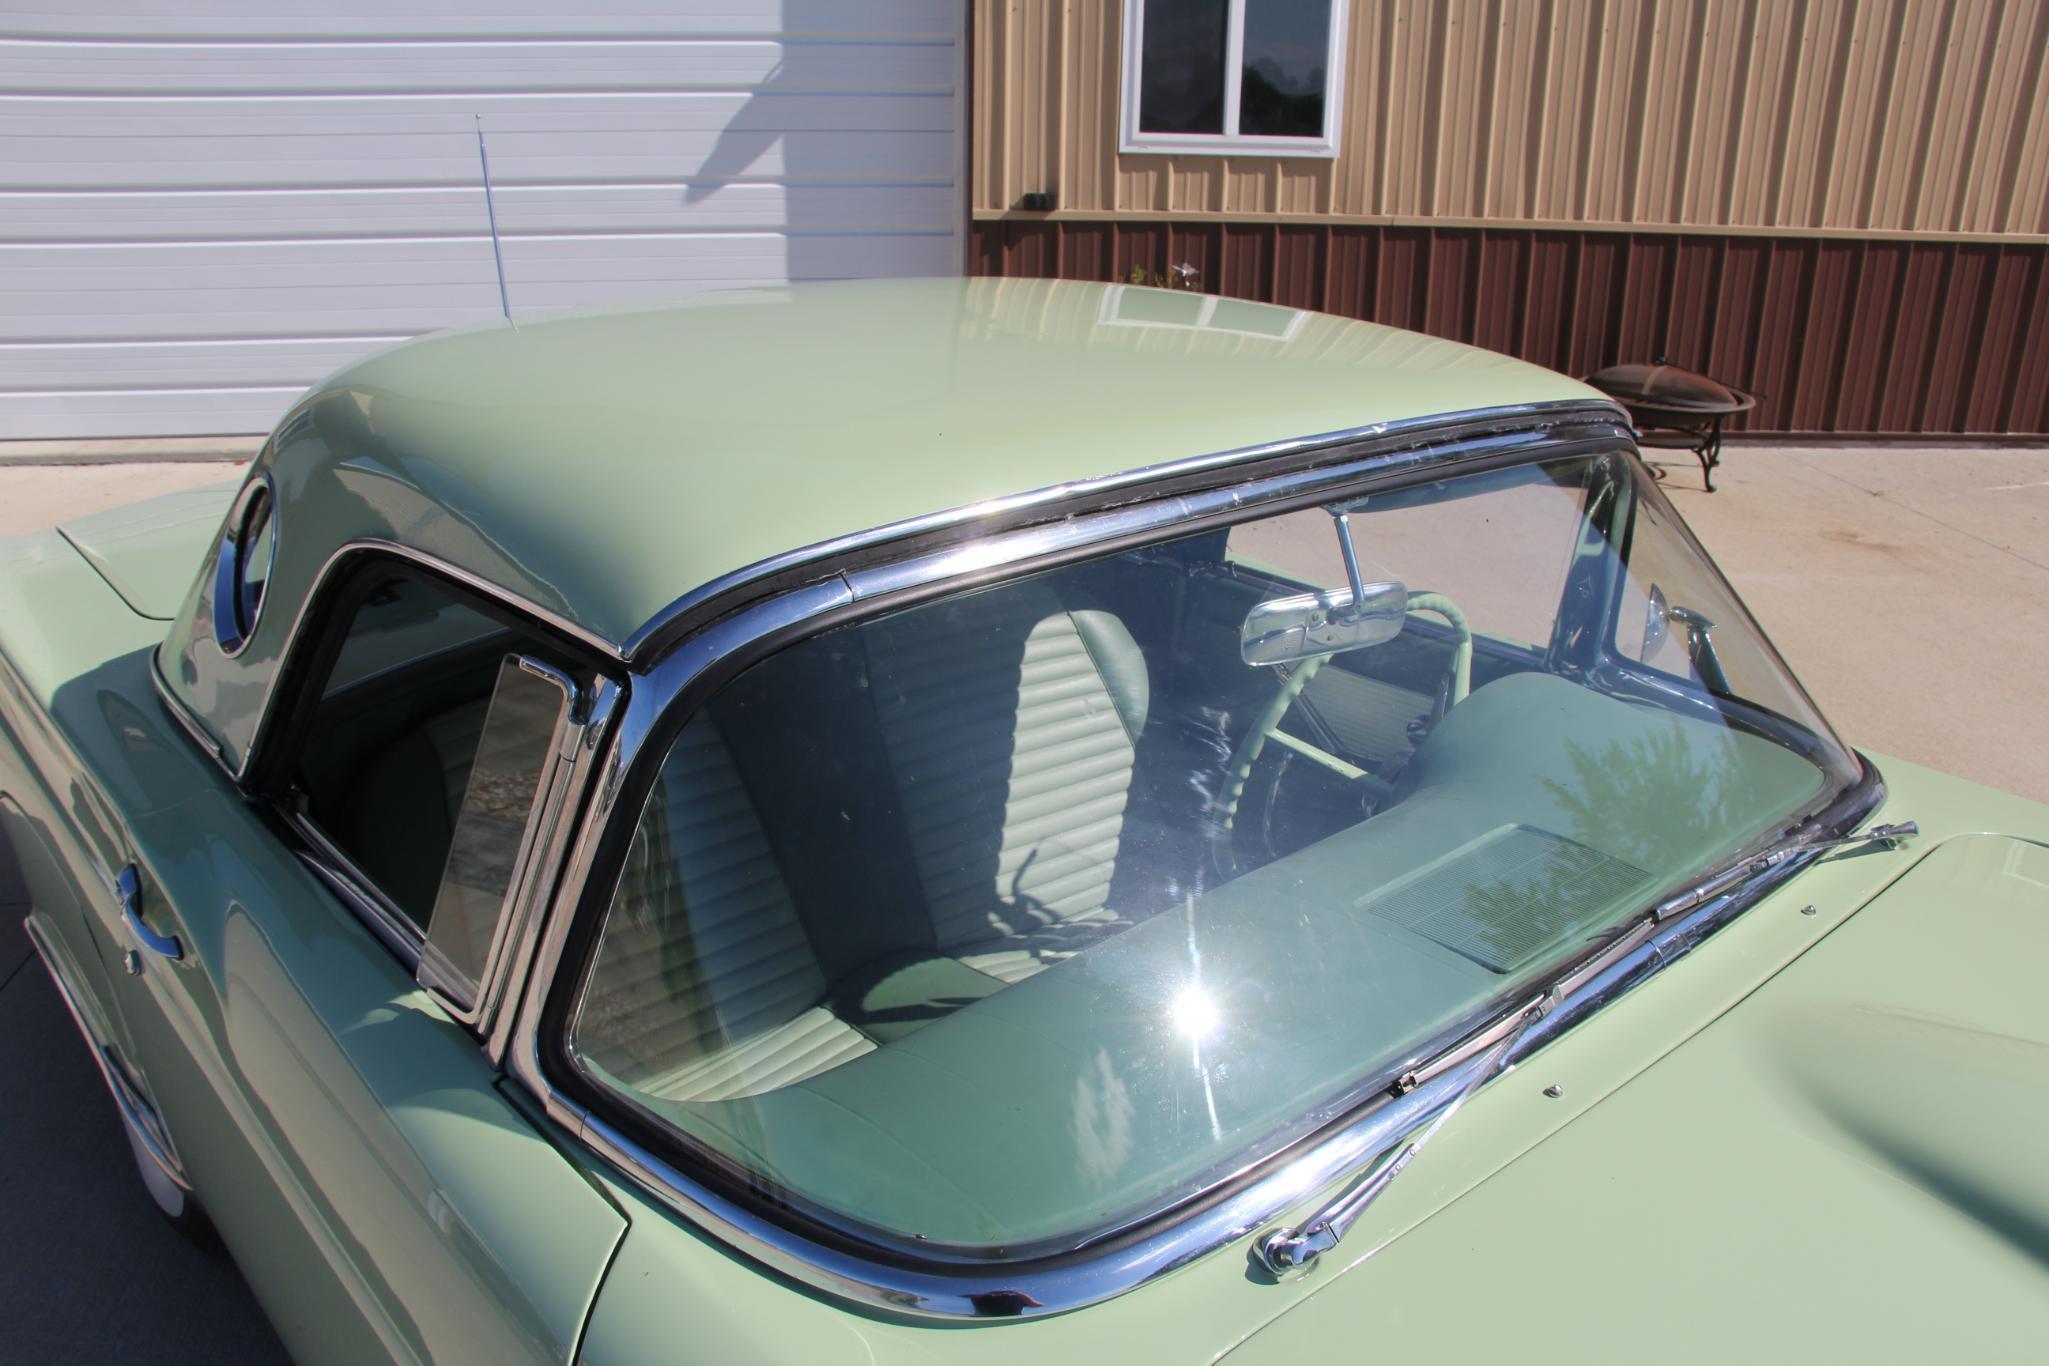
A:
1287,57
1181,77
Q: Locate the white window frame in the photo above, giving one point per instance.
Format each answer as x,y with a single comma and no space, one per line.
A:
1232,143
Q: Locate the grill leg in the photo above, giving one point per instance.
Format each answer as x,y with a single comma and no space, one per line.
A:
1710,453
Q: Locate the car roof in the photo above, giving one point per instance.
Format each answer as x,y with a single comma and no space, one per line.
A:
612,461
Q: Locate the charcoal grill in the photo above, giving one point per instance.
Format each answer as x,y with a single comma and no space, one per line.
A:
1676,409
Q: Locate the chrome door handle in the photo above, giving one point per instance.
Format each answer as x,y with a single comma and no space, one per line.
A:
128,896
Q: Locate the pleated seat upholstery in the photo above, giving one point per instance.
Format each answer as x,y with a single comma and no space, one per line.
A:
706,987
1010,720
1000,734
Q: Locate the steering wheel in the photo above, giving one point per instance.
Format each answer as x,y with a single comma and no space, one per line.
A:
1267,726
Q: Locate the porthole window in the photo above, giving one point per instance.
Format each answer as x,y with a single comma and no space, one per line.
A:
243,567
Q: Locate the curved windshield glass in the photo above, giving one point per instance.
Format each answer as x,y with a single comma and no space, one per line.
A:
1024,914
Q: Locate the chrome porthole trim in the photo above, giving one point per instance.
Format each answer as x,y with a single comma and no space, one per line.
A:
234,620
934,1284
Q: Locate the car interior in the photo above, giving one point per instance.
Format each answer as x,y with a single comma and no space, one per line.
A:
883,827
388,754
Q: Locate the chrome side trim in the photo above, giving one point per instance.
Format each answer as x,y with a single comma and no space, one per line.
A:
921,1282
996,513
136,1111
349,884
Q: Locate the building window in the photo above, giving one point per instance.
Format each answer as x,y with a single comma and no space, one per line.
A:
1233,76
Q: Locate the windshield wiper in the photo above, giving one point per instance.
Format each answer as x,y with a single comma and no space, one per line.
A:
1887,835
1293,1248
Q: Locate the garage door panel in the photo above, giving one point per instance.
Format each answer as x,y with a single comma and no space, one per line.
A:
525,209
505,115
202,213
69,69
443,158
125,413
127,19
183,363
401,288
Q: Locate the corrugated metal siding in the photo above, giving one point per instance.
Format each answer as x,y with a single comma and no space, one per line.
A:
202,212
1840,336
1910,116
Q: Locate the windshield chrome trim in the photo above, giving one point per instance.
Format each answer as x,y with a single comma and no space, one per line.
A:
953,1290
998,514
933,1283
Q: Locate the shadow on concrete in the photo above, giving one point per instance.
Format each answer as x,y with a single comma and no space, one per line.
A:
88,1270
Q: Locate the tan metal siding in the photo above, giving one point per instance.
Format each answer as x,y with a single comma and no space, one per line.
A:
1840,336
1903,116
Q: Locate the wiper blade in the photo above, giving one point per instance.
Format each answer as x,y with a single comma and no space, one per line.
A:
1888,835
1291,1249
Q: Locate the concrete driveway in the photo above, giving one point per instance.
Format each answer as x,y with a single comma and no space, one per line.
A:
1909,590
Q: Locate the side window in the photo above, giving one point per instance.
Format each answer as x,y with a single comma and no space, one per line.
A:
428,763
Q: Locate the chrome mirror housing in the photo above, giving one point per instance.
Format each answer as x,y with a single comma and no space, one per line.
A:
1283,630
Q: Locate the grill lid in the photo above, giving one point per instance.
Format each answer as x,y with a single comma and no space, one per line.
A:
1667,386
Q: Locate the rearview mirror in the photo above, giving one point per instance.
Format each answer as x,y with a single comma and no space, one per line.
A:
1282,630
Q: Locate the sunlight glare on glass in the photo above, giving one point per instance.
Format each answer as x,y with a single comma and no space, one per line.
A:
1194,1015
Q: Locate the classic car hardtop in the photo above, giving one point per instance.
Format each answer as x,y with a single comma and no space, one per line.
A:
763,822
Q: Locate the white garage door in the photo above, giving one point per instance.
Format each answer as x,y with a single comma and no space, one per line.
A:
205,205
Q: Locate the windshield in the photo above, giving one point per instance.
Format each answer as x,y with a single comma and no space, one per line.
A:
1021,915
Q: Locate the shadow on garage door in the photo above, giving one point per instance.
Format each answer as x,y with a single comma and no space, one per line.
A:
88,1270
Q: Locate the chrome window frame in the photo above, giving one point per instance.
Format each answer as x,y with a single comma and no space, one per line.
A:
231,635
696,647
556,807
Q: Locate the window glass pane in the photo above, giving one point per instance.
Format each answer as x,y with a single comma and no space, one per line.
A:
1287,62
253,562
1181,67
388,753
1506,586
498,800
1680,622
1027,912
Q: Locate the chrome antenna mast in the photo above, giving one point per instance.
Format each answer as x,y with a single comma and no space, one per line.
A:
491,212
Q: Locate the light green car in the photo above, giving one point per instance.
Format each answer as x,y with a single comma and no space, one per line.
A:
1005,821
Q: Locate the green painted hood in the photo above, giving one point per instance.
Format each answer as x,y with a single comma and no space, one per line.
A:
1848,1165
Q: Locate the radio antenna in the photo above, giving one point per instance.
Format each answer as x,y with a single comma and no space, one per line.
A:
491,211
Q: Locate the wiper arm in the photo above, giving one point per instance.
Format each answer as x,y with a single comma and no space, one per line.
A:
1291,1249
1888,835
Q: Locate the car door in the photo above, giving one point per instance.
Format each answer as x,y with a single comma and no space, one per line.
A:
342,1125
